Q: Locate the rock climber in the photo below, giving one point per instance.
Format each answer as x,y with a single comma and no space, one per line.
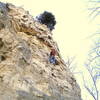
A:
52,58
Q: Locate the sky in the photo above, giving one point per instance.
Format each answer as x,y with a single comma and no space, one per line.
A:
72,30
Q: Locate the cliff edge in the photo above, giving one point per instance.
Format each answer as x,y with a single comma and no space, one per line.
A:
25,72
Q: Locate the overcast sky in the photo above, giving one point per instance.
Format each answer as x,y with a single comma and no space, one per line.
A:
72,27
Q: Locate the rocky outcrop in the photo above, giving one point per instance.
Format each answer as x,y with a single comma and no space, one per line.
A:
25,72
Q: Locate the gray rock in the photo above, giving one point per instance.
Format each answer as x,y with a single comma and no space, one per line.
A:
25,72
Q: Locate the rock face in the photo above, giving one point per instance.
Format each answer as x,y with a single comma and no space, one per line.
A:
25,72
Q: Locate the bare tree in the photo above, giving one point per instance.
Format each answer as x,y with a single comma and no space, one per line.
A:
70,62
93,62
93,67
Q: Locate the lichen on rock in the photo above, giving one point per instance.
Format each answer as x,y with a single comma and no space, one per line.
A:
25,72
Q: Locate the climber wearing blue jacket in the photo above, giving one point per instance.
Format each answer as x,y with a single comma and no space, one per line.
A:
52,58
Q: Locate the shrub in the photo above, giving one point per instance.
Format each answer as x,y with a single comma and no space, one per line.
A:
48,19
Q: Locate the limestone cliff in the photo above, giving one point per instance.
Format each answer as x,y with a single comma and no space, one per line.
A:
25,72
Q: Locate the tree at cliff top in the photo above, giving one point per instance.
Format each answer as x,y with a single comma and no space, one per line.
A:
48,19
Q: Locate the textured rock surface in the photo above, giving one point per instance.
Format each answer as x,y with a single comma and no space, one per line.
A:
25,73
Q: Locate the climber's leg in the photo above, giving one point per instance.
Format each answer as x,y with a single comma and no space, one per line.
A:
52,59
